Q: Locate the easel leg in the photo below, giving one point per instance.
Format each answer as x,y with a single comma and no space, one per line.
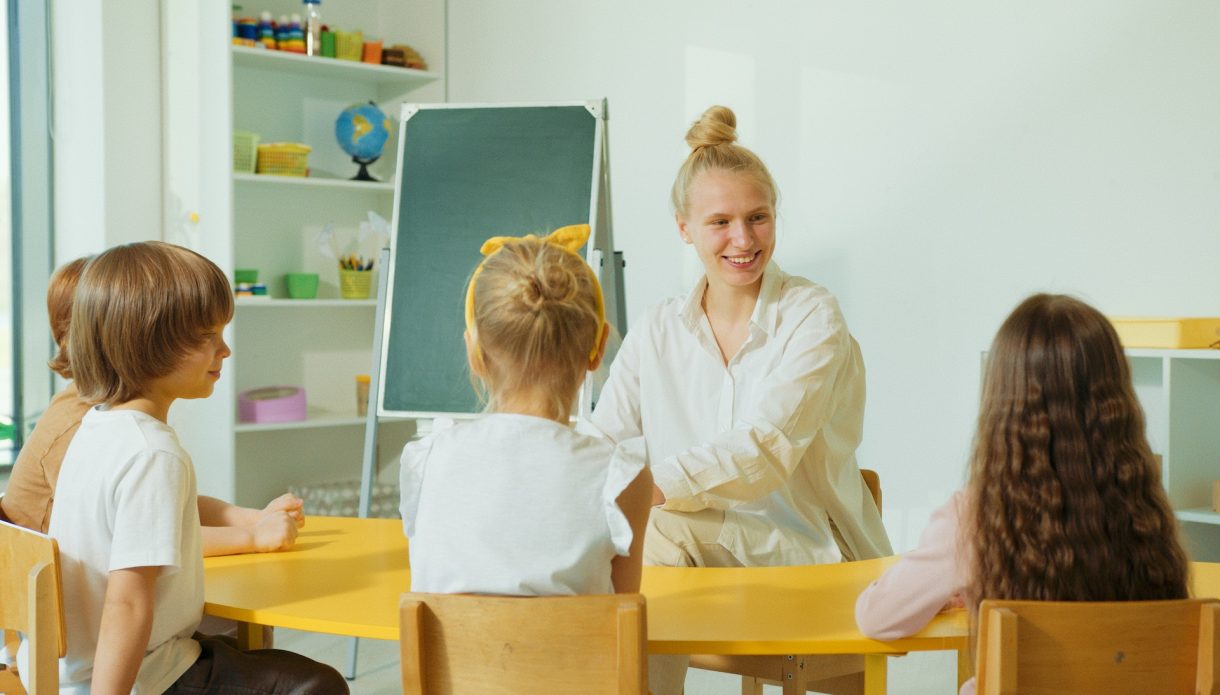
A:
351,659
875,667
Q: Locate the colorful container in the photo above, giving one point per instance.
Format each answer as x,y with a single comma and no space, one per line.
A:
1167,332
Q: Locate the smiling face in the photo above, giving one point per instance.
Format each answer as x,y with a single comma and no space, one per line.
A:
731,223
198,370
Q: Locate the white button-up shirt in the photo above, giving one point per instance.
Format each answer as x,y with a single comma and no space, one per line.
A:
770,437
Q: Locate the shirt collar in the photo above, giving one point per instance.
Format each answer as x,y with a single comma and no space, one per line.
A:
766,309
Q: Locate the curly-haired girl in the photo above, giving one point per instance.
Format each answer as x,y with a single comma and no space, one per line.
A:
1064,499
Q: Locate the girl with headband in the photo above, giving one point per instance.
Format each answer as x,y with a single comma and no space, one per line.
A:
517,502
749,392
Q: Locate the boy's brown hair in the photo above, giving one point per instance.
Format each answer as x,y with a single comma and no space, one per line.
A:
138,309
59,310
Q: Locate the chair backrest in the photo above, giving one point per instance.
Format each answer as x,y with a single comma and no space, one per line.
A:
31,601
872,481
1035,647
459,643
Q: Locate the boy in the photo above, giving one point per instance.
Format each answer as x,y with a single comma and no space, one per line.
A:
146,330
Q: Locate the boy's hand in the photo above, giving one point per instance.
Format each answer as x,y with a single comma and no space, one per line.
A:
288,503
274,531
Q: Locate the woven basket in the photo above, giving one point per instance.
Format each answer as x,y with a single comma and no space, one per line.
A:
284,159
245,151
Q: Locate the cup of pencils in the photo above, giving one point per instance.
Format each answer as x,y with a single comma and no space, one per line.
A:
355,277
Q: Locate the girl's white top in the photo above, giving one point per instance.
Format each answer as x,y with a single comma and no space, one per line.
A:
770,437
515,505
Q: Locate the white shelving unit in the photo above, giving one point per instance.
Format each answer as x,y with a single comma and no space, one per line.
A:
271,222
1180,392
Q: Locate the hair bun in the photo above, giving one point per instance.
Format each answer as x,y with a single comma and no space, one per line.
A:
548,283
717,126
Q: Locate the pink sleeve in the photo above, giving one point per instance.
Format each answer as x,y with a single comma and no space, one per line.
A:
915,589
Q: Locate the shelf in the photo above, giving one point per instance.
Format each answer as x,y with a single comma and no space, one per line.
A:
318,182
317,418
1199,515
313,66
302,303
1180,354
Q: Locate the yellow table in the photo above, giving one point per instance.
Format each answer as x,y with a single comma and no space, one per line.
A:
345,577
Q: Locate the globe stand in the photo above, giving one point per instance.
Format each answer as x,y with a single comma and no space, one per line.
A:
363,174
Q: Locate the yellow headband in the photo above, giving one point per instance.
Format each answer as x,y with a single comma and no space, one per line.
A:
571,239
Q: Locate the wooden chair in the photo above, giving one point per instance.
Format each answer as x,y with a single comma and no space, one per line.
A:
31,601
836,674
1036,647
455,643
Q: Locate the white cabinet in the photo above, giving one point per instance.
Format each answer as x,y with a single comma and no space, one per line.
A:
270,223
1180,393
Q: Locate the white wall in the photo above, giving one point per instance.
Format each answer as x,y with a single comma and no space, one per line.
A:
937,162
107,124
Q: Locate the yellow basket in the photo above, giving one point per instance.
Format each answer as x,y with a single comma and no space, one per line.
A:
355,284
245,151
284,159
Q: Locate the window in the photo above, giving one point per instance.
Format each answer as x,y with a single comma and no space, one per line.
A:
25,219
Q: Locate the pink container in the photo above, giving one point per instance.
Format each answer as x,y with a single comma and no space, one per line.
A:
272,404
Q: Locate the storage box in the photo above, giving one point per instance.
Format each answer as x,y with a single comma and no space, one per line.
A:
283,159
1161,332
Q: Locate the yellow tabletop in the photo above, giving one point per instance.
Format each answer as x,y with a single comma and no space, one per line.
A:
345,577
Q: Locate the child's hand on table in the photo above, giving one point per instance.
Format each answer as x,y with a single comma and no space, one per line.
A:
288,503
276,530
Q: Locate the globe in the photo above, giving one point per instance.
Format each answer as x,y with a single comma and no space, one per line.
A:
362,131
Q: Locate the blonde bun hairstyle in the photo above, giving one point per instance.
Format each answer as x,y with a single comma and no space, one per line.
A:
712,140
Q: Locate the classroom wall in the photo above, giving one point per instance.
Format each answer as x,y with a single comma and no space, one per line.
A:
107,123
937,162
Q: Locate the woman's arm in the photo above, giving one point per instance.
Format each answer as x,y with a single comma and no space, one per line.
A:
617,415
904,599
635,502
759,453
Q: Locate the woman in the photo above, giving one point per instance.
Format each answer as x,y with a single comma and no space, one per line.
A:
749,392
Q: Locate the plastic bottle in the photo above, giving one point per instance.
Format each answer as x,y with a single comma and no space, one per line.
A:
313,28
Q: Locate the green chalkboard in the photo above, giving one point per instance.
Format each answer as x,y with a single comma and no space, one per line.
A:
466,173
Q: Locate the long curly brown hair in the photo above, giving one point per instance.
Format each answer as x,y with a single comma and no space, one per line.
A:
1065,499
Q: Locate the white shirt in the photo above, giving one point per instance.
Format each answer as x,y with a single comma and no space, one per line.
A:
515,505
770,437
126,498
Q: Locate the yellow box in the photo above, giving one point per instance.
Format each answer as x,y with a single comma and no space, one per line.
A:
283,159
1162,332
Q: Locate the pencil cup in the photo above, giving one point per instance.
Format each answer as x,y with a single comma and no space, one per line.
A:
355,284
302,285
362,394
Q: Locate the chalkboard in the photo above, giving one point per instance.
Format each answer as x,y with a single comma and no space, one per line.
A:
466,173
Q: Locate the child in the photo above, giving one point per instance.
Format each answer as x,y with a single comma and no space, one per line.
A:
146,330
1064,499
517,502
28,500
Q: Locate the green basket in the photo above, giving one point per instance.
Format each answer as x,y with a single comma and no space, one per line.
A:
245,151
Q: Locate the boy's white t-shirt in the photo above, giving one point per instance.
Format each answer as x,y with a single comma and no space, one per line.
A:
126,498
515,505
